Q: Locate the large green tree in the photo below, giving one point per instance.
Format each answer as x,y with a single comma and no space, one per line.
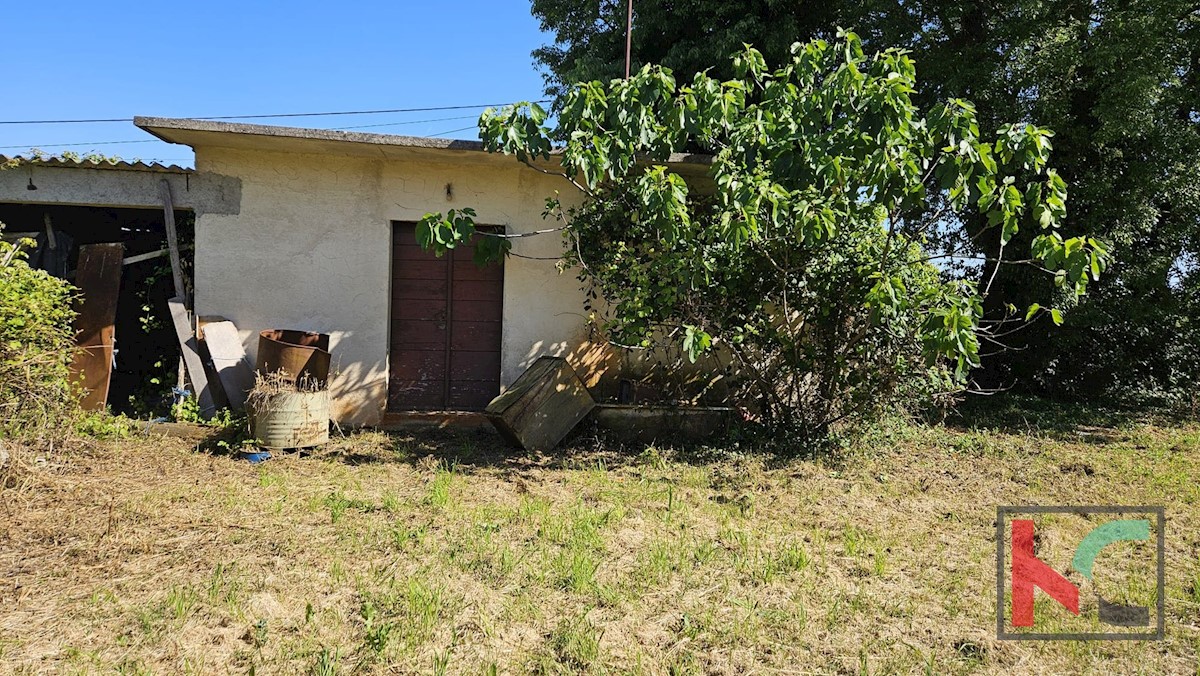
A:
809,251
1118,81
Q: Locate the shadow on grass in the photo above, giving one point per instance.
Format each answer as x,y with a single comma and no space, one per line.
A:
482,449
211,439
1017,414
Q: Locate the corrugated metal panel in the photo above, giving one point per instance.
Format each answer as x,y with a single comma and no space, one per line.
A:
86,164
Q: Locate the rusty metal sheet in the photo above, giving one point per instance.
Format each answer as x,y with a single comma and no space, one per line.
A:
302,354
98,277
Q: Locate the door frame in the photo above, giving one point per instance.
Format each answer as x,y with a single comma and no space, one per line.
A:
388,409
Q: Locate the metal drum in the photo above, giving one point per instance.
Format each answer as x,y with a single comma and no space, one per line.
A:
290,419
303,355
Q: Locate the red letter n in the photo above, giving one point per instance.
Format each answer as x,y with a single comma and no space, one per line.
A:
1028,571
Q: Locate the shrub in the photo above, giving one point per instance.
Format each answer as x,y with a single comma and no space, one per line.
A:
36,342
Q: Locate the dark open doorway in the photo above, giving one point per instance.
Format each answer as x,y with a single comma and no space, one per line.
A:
147,351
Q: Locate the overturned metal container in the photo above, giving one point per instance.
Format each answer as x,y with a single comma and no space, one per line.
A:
303,355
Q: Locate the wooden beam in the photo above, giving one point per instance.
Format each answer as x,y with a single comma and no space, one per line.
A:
164,191
191,356
50,240
144,257
173,242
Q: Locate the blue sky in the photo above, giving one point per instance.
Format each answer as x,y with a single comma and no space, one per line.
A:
72,59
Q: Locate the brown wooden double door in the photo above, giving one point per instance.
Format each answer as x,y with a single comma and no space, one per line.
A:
445,333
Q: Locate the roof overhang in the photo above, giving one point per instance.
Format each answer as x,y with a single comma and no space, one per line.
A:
208,133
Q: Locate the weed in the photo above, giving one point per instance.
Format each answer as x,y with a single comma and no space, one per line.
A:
791,557
836,613
328,663
691,626
406,613
259,633
188,411
90,658
661,561
221,587
105,426
439,488
391,502
131,667
879,560
532,510
377,631
492,560
684,664
267,478
576,643
441,661
424,604
337,503
181,601
853,540
652,458
575,570
703,552
403,536
102,597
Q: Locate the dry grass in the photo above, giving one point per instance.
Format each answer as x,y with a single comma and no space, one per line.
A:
450,554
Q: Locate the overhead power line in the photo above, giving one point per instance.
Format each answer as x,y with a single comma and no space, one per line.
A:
64,145
396,124
451,131
152,140
277,115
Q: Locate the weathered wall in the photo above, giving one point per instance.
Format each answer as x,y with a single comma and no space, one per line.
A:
310,247
118,187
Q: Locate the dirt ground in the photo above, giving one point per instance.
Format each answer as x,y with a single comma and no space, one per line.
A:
448,553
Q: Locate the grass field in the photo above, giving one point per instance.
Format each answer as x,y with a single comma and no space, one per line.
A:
445,553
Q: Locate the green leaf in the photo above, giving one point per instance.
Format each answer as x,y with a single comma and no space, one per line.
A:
695,342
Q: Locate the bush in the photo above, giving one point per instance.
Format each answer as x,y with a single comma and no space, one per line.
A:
36,342
803,343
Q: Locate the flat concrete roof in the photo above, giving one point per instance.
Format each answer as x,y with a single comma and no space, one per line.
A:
189,131
200,133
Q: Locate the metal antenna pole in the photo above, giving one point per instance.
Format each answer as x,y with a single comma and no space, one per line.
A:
628,39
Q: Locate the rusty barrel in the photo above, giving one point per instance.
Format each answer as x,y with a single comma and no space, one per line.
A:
302,354
290,419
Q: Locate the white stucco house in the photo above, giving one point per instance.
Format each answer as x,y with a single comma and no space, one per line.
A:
319,237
